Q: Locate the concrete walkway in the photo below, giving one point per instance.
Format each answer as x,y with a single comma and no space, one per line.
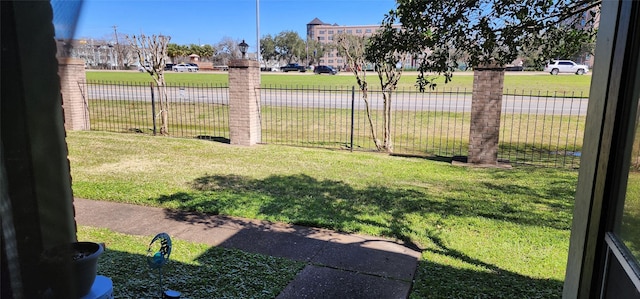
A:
338,265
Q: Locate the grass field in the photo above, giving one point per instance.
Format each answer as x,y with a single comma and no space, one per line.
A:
484,233
465,221
196,270
536,139
630,230
514,82
525,138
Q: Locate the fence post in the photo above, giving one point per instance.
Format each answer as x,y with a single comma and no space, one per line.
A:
353,108
76,109
486,106
153,108
244,102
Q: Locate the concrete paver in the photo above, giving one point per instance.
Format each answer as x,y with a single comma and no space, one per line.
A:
322,282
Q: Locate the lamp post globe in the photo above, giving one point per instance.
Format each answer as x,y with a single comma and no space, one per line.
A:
243,48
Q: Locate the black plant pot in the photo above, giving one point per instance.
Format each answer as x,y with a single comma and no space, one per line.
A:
70,269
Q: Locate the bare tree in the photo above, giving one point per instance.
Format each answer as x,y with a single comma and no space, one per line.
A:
388,63
126,53
352,48
359,51
122,50
151,51
226,50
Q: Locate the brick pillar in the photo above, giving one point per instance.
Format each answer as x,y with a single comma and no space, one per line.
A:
72,85
244,102
488,82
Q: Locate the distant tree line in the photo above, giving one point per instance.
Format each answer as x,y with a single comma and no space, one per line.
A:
108,54
288,46
219,54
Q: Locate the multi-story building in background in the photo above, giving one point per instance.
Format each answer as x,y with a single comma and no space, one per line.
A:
97,54
586,21
324,33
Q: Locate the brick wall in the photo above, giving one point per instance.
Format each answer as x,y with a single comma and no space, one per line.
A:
244,102
75,109
205,66
486,108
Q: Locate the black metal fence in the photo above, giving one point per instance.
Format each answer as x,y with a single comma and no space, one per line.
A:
195,110
536,128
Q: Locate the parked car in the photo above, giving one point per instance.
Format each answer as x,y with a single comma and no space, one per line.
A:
169,66
293,67
183,67
514,68
194,65
325,69
143,68
555,67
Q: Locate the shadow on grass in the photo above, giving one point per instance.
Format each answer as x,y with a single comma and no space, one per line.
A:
218,272
442,281
304,200
224,273
432,280
567,156
436,158
630,230
214,138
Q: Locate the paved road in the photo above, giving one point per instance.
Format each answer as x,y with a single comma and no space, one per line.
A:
441,102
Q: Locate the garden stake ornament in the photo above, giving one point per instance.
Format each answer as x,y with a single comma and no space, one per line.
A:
157,256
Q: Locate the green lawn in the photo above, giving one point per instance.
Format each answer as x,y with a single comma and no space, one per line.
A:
524,138
513,83
630,230
196,270
485,233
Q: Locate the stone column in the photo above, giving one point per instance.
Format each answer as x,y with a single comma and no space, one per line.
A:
72,85
244,102
488,82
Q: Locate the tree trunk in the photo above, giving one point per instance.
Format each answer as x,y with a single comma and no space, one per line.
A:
365,98
362,84
164,106
164,129
165,120
388,145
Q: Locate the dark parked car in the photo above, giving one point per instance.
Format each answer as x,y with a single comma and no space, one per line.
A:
168,66
514,68
325,69
293,67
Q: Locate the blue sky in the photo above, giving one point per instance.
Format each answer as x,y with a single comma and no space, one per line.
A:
208,21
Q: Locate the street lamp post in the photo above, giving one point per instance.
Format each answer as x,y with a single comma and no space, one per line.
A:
258,31
243,48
